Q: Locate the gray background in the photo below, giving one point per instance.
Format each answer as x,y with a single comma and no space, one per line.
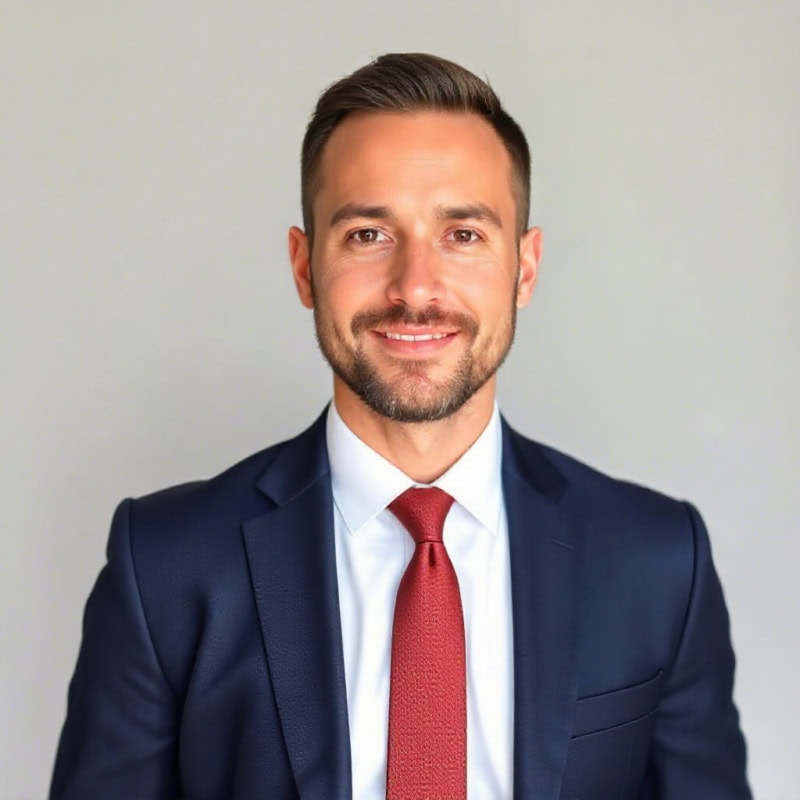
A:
150,333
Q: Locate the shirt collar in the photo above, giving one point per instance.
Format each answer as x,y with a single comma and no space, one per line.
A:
364,483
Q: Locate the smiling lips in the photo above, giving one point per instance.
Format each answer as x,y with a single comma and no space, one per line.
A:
416,344
413,337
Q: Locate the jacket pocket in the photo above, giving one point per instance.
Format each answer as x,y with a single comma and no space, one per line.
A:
608,710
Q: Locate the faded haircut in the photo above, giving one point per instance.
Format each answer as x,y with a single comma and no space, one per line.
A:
411,82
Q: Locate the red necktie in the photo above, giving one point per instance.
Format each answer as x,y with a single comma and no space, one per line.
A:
427,754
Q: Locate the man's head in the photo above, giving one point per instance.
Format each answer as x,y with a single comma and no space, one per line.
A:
415,185
411,82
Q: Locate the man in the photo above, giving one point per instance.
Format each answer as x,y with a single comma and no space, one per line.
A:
302,625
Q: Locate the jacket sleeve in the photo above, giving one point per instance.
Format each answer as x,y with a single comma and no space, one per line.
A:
698,750
120,735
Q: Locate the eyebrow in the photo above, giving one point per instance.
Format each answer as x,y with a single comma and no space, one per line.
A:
359,211
477,211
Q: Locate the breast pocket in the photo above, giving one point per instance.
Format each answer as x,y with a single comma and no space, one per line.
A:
610,742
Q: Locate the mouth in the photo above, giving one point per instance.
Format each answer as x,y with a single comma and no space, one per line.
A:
413,337
415,343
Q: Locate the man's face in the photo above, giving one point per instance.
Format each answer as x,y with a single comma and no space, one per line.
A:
416,270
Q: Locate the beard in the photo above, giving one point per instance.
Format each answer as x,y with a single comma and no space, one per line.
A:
412,396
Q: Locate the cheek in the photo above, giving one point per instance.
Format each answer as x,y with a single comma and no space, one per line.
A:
347,287
340,296
489,295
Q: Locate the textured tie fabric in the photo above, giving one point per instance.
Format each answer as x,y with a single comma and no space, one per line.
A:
427,752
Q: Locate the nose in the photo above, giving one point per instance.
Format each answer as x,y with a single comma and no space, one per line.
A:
416,279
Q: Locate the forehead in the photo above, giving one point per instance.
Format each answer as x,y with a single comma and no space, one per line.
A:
380,152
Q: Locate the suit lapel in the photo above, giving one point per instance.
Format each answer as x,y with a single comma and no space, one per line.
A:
291,555
545,550
292,564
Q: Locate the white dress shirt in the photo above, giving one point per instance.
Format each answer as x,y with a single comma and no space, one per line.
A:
372,552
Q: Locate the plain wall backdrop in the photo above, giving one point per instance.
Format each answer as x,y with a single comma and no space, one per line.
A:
149,170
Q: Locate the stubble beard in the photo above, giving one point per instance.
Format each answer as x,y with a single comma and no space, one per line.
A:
412,397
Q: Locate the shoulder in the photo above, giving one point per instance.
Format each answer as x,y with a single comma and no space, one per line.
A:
211,501
179,551
204,517
610,507
642,552
243,490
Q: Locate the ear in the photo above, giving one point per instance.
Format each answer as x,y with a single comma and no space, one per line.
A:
530,254
300,256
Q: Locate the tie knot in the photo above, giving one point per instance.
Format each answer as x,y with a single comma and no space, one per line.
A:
422,512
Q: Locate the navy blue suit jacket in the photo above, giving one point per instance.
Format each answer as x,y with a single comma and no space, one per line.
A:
211,663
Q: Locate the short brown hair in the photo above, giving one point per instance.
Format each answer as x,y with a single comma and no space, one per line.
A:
407,82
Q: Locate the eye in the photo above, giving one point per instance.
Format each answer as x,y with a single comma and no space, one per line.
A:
367,236
464,236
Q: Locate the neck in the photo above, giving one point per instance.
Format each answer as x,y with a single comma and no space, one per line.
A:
422,450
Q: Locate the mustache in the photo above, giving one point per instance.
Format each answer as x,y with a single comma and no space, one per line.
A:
432,315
